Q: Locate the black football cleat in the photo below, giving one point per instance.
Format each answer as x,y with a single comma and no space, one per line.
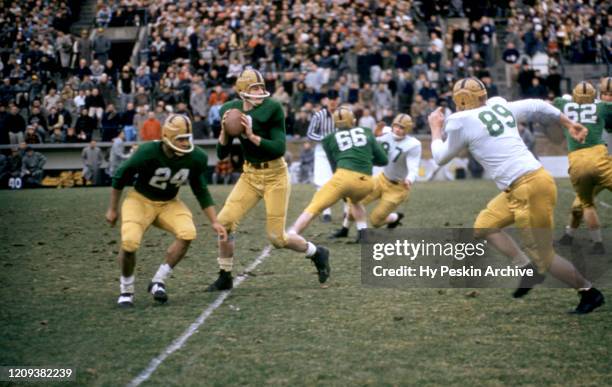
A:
321,262
528,282
589,301
340,233
597,249
566,240
224,282
126,300
398,222
361,236
158,290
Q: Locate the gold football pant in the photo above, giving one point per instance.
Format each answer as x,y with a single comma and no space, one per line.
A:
343,184
590,171
268,181
529,203
138,213
391,195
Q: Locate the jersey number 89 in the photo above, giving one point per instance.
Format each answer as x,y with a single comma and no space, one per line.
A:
494,125
347,139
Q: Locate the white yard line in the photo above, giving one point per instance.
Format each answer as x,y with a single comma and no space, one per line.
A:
182,339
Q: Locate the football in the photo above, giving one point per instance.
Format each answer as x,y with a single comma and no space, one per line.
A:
233,122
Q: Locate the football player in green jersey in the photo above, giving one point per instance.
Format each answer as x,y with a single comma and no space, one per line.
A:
161,168
265,176
351,152
590,167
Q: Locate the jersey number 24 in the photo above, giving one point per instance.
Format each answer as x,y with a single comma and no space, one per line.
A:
162,176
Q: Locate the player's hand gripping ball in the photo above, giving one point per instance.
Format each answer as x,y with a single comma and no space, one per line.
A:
232,123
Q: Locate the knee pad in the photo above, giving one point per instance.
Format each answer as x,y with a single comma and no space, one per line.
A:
187,234
131,236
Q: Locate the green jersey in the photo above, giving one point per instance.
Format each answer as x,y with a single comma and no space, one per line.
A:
268,122
355,149
595,116
159,177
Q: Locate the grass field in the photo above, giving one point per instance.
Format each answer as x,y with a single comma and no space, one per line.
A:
59,283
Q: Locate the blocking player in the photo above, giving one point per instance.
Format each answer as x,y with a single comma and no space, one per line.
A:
351,152
489,129
265,176
590,167
392,186
161,168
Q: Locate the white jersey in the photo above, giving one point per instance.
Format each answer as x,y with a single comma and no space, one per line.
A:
404,157
490,132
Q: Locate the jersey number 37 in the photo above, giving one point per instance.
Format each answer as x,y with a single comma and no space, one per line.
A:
347,139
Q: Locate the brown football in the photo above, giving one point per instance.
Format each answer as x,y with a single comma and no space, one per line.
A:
233,122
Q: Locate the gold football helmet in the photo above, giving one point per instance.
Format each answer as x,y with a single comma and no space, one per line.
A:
584,92
469,93
404,121
344,118
605,86
248,79
177,126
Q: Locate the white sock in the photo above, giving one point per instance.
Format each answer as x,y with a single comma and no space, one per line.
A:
520,260
311,250
361,225
595,235
570,231
126,284
226,264
162,273
327,211
392,217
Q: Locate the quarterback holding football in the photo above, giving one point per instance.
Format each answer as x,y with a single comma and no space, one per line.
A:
265,175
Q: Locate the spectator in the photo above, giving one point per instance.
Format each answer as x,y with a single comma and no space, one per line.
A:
300,125
95,104
92,162
200,129
16,125
111,122
366,120
85,125
32,166
198,101
537,90
151,128
101,46
127,121
57,136
117,154
306,163
72,137
31,136
223,172
82,48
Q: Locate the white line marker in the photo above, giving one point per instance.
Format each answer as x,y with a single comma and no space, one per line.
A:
181,340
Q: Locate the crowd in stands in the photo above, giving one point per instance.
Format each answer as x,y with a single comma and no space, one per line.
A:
380,57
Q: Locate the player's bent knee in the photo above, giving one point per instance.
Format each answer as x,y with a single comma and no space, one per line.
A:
131,236
187,234
376,221
278,241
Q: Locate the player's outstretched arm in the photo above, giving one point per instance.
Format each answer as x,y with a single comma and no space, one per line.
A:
211,214
112,214
576,130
